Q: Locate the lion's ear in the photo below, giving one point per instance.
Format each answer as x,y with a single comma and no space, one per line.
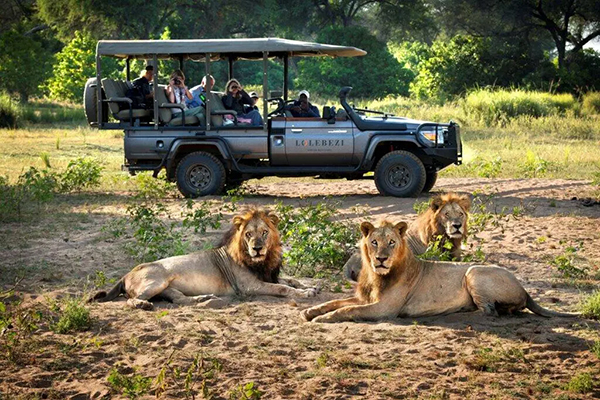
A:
366,228
238,221
401,227
273,218
465,202
436,203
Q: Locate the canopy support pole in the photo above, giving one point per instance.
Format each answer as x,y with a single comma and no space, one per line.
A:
285,76
154,89
265,91
181,63
230,70
128,69
207,103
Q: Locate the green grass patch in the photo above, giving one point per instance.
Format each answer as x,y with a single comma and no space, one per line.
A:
590,307
591,103
581,383
73,315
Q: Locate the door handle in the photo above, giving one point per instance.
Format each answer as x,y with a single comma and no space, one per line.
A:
296,130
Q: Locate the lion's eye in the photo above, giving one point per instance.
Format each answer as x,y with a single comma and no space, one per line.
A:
447,215
392,242
460,214
265,232
374,242
248,235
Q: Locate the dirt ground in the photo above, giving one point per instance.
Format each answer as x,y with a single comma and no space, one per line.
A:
263,340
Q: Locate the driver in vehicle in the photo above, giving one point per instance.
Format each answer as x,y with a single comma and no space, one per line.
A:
302,108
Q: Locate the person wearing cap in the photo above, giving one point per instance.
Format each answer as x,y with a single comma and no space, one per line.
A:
141,88
254,97
302,108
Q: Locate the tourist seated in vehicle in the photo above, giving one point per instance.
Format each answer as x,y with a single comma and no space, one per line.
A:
199,92
140,92
179,94
254,97
236,98
302,108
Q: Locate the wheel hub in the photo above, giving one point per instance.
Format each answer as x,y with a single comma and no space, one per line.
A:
200,176
398,176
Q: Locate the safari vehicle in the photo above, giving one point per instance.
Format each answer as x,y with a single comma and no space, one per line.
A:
204,157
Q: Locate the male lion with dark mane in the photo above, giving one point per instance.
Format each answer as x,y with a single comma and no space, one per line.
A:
445,220
393,283
247,262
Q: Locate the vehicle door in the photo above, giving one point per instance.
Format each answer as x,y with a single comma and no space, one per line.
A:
314,141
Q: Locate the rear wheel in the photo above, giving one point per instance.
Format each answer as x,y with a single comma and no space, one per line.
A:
400,174
431,178
200,174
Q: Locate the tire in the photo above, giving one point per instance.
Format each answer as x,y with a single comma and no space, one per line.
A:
431,178
200,174
90,103
400,174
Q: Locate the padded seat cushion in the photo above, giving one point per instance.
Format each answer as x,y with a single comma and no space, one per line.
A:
189,120
165,114
123,115
113,88
216,104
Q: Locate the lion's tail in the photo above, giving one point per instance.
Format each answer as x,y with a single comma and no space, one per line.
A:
539,310
115,292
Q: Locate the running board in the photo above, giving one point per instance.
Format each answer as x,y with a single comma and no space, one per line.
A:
296,170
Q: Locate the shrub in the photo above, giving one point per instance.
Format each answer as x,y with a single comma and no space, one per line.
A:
565,264
316,245
581,383
498,107
9,112
81,173
591,103
249,391
73,316
590,307
131,386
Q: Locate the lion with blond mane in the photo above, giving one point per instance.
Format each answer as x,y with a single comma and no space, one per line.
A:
393,283
247,263
444,221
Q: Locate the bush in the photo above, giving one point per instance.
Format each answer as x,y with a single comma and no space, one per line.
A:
590,307
581,383
591,103
9,112
81,173
317,245
73,316
131,386
498,107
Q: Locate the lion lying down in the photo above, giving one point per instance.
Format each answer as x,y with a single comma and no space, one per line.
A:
446,217
395,283
247,263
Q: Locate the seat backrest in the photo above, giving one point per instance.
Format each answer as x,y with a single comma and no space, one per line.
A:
112,88
216,104
165,114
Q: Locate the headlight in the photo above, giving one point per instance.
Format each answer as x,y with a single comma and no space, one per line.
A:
430,132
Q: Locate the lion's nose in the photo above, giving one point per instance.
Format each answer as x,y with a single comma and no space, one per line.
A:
257,248
381,259
457,226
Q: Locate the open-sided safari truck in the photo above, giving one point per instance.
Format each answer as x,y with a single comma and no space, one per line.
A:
205,156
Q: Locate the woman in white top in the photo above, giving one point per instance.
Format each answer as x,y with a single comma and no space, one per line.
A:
179,94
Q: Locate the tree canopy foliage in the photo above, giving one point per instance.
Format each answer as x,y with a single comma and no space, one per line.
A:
441,48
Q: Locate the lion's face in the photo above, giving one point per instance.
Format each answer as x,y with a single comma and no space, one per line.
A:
383,245
257,234
451,213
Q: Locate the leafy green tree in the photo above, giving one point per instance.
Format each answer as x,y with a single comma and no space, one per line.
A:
24,64
464,62
375,75
75,63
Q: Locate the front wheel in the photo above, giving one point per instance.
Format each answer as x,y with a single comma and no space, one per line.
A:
200,174
430,181
400,174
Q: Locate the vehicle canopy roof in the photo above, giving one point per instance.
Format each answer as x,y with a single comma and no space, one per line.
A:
196,49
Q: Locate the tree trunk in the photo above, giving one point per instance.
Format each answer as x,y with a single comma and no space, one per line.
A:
23,97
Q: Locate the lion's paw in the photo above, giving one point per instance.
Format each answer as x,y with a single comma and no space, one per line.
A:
310,292
307,314
323,319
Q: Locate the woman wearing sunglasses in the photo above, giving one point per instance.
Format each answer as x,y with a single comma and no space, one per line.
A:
235,98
